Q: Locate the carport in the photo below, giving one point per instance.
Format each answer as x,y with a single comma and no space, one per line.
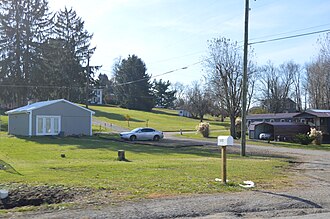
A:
282,130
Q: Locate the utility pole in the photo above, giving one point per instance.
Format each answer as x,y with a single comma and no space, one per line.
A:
87,80
245,79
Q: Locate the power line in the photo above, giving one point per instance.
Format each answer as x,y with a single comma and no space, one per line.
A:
165,73
293,31
289,37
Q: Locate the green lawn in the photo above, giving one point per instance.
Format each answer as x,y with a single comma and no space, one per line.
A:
153,171
162,119
3,123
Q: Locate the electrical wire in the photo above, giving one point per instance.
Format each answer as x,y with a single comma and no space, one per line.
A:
289,37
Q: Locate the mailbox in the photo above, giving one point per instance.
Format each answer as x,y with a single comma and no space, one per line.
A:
225,141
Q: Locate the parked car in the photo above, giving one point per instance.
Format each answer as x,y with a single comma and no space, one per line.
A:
265,136
142,134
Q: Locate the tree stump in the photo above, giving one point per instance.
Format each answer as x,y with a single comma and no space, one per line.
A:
121,155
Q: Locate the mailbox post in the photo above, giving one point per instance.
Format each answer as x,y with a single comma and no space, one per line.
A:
224,141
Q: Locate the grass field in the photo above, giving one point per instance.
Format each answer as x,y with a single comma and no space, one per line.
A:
162,119
3,123
153,171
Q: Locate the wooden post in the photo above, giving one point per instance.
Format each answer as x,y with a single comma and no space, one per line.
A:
121,155
224,164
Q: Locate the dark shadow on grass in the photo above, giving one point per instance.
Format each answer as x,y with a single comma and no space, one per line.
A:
156,111
114,116
305,201
117,144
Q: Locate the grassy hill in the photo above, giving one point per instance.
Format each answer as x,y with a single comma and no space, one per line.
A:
162,119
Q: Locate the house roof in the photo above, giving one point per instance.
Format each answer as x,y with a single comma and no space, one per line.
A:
316,112
272,116
37,105
319,113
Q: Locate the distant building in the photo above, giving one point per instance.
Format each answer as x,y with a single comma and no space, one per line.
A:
185,113
97,97
319,119
287,106
290,123
270,117
284,131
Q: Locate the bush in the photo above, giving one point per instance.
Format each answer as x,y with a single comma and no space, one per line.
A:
303,139
317,135
204,129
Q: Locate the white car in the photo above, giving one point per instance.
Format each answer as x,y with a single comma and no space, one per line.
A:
142,134
265,136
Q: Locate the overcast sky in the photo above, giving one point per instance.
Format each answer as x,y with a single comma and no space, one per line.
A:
171,34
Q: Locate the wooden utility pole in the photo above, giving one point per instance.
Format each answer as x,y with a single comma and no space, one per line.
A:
87,80
245,79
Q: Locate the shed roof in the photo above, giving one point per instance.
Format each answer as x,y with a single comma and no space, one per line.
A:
272,116
37,105
290,125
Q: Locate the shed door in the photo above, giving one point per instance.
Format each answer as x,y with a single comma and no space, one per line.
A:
48,125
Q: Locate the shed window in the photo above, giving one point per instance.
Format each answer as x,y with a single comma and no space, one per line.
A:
48,125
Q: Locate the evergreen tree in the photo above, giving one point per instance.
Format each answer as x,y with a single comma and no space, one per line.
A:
24,25
69,28
163,96
132,86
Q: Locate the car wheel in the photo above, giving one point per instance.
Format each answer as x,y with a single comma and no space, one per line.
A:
156,138
132,138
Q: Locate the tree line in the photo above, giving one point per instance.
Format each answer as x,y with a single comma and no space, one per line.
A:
43,54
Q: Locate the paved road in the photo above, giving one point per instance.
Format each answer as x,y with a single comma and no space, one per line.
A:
309,198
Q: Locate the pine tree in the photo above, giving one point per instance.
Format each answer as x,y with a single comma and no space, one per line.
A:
163,96
24,25
132,86
69,28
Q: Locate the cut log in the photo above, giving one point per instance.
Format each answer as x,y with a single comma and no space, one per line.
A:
121,155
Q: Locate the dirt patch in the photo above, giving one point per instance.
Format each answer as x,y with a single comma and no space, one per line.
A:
24,195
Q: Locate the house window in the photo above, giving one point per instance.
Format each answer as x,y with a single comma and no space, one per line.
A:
282,120
48,125
302,120
272,120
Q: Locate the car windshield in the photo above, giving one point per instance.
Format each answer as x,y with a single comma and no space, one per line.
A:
135,130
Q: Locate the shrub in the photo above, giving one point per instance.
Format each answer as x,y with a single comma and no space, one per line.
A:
317,135
303,139
204,129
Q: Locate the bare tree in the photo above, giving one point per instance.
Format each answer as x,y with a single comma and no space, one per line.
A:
198,101
224,76
276,85
295,71
179,95
318,76
318,84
